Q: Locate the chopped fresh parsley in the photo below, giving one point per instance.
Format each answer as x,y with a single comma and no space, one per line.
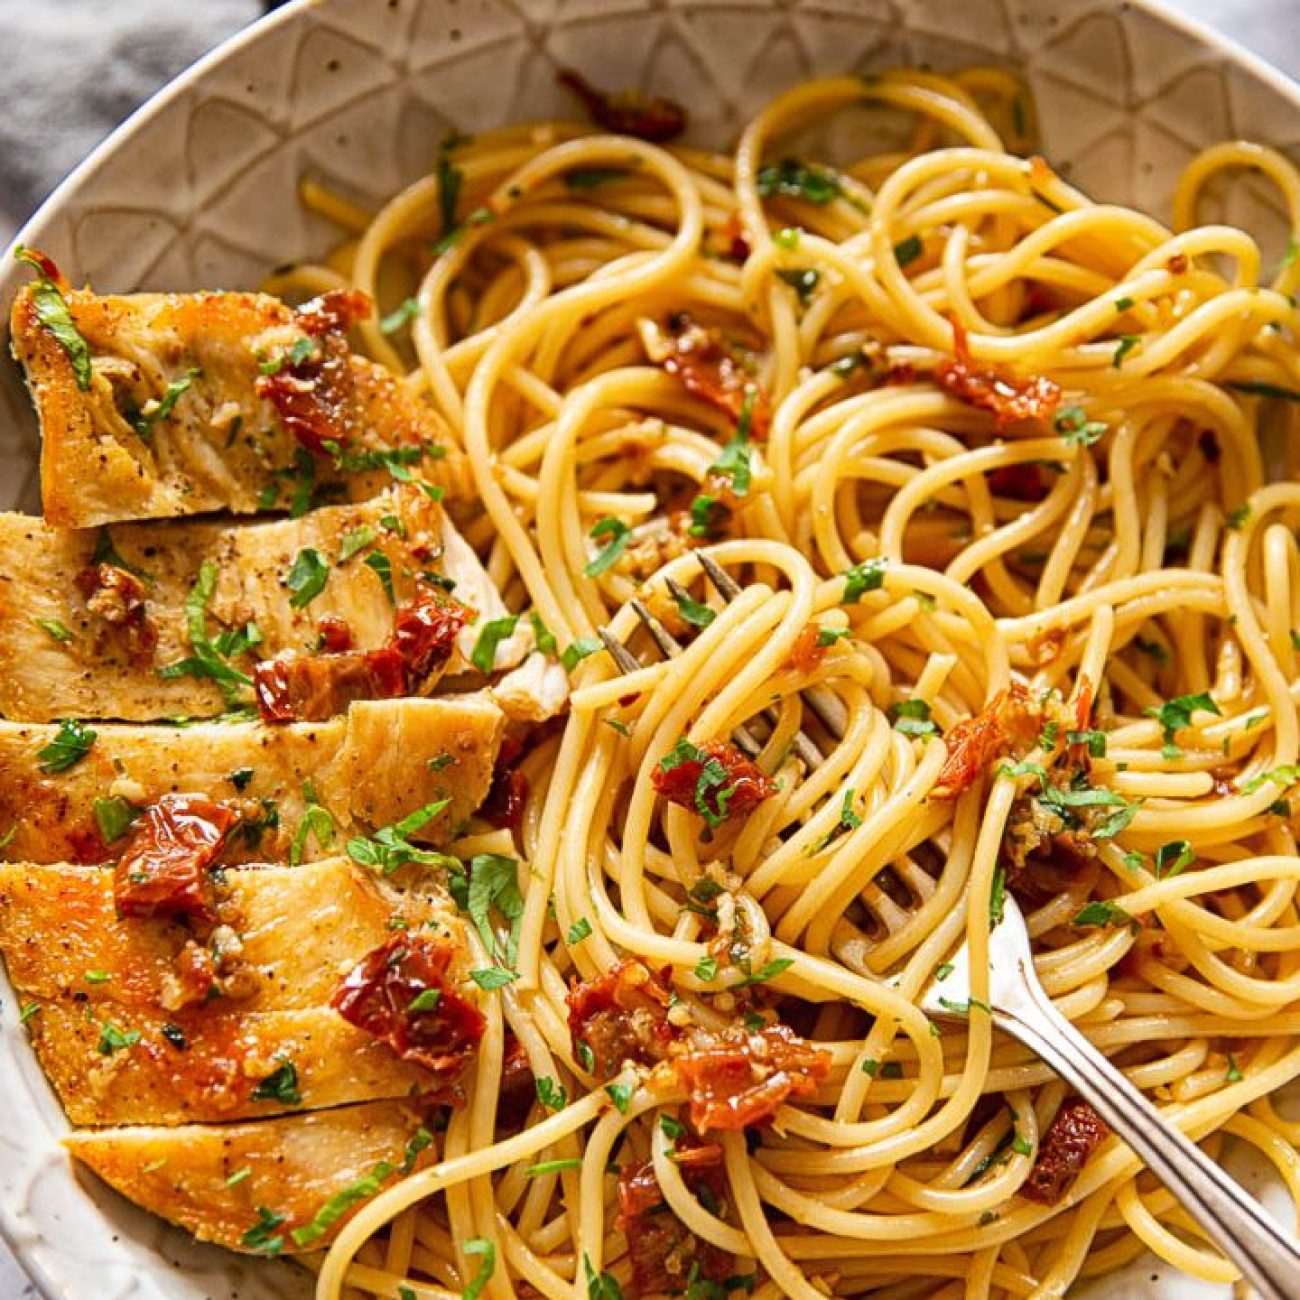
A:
1173,858
543,637
1178,712
52,311
492,977
862,578
484,654
1126,344
693,612
998,896
401,315
803,280
1095,741
1236,518
144,423
790,178
706,969
908,250
390,846
484,1249
494,882
112,1039
600,1286
775,967
280,1085
316,822
355,541
1258,388
307,577
382,567
71,743
114,816
54,629
263,1238
1234,1070
578,931
578,650
1077,429
618,533
551,1094
912,718
341,1202
552,1167
1102,912
621,1095
206,660
425,1000
591,178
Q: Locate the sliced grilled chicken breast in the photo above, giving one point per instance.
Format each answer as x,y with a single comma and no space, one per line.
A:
367,768
150,621
250,1186
158,405
167,1019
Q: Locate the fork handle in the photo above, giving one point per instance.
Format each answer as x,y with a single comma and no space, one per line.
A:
1267,1257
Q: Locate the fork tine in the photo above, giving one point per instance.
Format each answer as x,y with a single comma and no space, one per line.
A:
618,652
803,744
676,590
728,587
820,703
668,644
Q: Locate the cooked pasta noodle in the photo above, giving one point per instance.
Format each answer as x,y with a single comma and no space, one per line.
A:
1125,552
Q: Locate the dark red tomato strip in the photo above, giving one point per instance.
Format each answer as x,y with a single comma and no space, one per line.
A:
1075,1133
739,1080
164,870
622,1016
629,113
993,389
401,993
714,779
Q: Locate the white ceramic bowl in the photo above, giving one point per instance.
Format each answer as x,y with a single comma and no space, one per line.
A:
197,190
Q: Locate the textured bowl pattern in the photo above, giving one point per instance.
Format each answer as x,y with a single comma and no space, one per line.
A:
199,190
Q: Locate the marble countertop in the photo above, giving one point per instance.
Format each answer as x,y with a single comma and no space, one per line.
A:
116,55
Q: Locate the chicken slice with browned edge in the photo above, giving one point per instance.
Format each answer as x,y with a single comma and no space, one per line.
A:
155,405
147,621
277,1187
366,768
162,991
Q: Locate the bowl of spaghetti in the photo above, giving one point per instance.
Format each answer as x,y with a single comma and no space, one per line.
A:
583,554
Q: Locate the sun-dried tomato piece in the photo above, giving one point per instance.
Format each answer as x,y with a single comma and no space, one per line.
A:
627,112
739,1080
297,687
311,393
1009,718
620,1016
116,596
1075,1133
808,651
335,634
164,869
506,798
425,630
733,241
709,369
1026,481
714,779
992,388
518,1089
660,1246
401,992
1066,863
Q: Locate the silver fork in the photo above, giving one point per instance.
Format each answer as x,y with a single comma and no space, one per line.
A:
1269,1259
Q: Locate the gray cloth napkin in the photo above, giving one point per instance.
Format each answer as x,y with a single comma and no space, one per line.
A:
73,69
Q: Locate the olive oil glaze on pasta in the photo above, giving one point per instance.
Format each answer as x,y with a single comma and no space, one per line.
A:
1007,478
